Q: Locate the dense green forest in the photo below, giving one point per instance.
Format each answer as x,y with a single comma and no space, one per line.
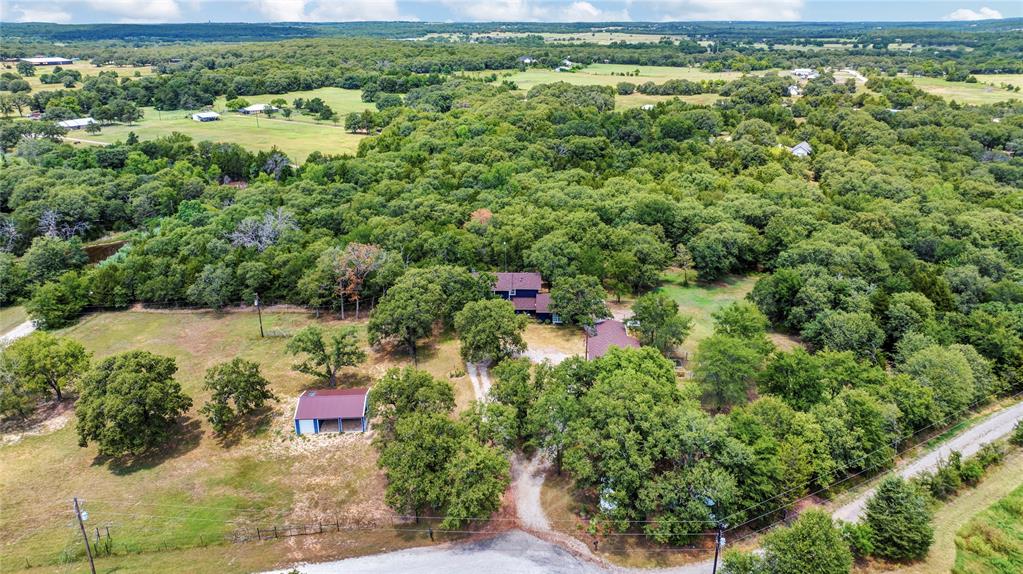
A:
894,251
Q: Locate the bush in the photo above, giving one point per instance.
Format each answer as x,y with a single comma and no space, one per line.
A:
1017,434
989,454
972,471
858,536
946,479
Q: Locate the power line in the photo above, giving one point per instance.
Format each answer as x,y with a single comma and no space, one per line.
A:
849,477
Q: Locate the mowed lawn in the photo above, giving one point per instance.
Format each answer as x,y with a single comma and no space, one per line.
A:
11,317
992,541
295,138
701,300
340,100
969,93
201,489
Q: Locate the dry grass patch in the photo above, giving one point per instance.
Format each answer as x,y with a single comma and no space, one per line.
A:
202,489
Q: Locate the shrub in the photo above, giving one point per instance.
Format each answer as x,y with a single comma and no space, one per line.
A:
1017,434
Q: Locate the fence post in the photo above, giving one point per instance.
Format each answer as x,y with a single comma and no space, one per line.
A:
275,531
259,535
337,523
321,528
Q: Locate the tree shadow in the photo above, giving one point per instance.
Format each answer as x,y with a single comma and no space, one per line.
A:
255,423
183,440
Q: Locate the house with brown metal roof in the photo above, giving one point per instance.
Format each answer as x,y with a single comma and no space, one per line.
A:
332,410
523,289
607,334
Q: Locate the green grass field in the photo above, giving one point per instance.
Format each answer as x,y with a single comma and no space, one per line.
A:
11,317
297,136
85,67
701,300
601,75
201,489
340,100
979,93
992,541
294,137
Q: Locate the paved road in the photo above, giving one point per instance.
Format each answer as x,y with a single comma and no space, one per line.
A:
16,333
513,552
968,442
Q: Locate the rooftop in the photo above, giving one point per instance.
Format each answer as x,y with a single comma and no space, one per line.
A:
519,280
332,404
607,334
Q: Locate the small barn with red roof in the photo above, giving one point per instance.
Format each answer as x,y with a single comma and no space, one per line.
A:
332,410
606,334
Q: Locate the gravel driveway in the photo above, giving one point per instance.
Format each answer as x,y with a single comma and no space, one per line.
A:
22,330
514,552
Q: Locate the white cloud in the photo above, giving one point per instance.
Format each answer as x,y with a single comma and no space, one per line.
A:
54,14
328,11
139,11
281,10
965,14
763,10
355,10
533,11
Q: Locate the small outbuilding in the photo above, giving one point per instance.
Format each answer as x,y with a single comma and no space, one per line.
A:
76,124
48,61
206,116
606,334
257,109
332,410
801,149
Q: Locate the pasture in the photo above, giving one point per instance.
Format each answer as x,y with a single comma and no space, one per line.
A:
611,75
297,136
985,91
203,488
340,100
294,137
85,67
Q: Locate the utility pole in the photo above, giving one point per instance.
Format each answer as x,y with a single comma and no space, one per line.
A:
719,541
85,537
259,311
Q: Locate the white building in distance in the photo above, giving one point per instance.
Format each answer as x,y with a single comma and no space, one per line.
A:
805,73
76,124
47,61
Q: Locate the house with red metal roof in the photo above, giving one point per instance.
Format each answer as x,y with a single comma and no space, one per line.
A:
607,334
332,410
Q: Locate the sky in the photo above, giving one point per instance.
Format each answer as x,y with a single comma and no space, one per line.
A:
161,11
